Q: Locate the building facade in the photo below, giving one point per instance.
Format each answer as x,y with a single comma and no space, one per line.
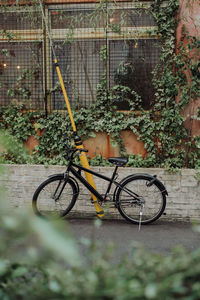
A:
93,41
99,44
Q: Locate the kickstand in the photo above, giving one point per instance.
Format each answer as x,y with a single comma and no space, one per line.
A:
140,221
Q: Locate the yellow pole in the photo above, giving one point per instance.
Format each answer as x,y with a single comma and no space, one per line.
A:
79,144
89,177
65,94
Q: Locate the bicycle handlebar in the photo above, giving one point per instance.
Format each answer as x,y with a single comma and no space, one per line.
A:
77,150
71,150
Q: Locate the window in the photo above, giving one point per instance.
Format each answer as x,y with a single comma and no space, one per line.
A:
130,17
131,64
82,70
20,20
126,30
75,29
90,40
21,68
21,73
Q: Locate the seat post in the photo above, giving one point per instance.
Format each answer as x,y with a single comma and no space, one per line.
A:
110,184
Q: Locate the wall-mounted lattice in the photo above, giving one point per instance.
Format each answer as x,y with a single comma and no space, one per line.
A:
90,39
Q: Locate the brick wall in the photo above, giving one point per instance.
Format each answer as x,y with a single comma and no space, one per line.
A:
183,202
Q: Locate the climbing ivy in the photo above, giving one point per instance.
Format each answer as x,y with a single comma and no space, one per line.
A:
177,146
162,128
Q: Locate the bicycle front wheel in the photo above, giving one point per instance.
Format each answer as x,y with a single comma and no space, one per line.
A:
151,203
55,197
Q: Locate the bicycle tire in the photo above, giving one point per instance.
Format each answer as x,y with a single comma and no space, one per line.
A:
44,200
153,195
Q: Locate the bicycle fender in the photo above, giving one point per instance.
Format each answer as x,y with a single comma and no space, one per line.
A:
68,178
50,176
160,184
152,179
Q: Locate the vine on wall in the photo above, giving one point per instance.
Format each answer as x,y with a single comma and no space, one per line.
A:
161,128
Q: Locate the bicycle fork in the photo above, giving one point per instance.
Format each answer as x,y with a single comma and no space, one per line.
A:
56,197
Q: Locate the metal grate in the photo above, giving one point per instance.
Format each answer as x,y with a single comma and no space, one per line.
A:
21,73
130,17
91,40
20,20
79,53
85,30
131,64
82,70
21,67
75,18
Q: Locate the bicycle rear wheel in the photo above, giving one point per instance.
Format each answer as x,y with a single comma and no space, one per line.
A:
152,204
55,197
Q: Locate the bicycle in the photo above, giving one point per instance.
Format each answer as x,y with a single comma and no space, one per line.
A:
139,198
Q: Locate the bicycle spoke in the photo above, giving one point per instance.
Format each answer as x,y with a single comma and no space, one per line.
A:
140,220
54,198
144,207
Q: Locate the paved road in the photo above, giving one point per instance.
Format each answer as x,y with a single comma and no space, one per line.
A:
159,237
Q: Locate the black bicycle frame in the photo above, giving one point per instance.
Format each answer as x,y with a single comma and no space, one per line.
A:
78,175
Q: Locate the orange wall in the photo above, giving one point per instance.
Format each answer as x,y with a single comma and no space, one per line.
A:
190,19
101,144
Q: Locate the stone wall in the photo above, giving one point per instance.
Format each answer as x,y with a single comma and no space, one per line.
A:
183,202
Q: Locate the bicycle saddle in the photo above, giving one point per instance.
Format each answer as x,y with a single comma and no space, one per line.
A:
119,161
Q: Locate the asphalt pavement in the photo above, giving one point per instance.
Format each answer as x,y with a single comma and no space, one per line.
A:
159,237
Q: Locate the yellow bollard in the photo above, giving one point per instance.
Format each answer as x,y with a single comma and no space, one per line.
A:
89,177
79,144
77,140
65,95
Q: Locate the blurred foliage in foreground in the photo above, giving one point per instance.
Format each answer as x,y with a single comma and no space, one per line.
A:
41,260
